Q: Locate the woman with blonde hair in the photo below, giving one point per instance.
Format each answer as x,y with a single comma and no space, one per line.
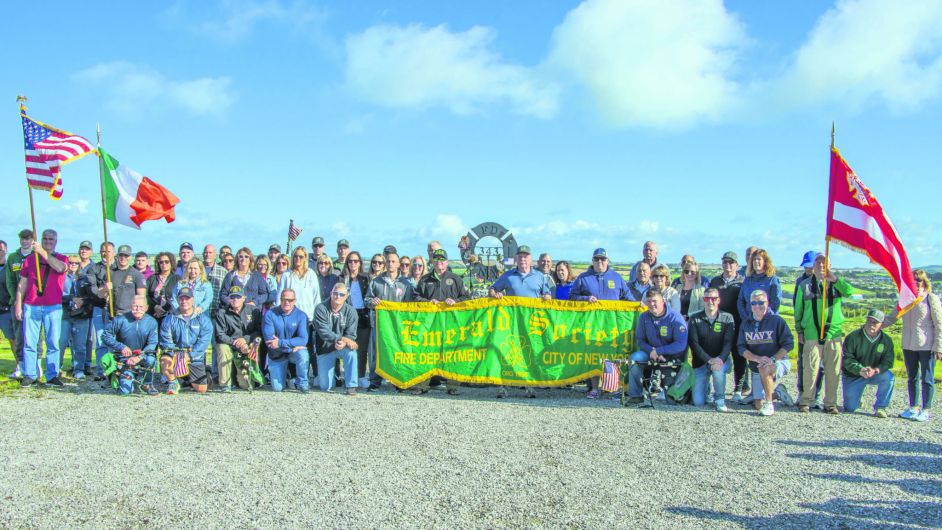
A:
691,289
304,282
377,266
661,280
194,277
760,274
326,276
922,346
253,284
264,267
418,270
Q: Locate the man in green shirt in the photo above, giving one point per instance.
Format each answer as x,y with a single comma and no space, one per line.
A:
821,345
868,359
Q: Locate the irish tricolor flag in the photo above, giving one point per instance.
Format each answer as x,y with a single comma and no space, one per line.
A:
132,198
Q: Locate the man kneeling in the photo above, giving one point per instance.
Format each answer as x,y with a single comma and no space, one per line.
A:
868,359
237,327
765,341
335,329
131,339
662,337
185,330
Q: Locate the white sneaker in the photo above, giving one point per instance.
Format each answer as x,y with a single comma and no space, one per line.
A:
767,408
721,406
710,399
79,376
909,413
661,396
737,396
290,383
922,416
363,382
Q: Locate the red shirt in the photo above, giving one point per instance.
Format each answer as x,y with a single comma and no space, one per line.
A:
53,282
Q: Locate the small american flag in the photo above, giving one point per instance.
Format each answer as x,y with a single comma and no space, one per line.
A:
47,149
293,231
180,368
610,377
253,350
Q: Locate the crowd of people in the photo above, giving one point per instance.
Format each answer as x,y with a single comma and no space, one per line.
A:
306,318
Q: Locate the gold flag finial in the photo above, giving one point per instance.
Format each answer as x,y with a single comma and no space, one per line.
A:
22,102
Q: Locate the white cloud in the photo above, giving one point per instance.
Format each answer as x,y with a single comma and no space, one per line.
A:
661,64
80,206
415,66
232,21
867,50
449,227
131,88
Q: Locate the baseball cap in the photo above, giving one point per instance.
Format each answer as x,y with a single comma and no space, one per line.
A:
439,254
343,243
876,314
185,292
730,256
275,246
600,253
86,244
523,249
125,250
317,241
808,259
236,291
186,245
390,249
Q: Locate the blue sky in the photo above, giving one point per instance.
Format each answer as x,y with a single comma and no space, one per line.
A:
702,125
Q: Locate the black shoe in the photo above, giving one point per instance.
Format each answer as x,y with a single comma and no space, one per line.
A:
372,388
99,378
635,400
54,381
26,382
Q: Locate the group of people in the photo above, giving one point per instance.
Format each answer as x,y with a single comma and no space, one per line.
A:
280,308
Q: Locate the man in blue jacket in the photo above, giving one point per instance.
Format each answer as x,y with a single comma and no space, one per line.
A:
185,329
284,330
599,283
662,336
132,336
764,341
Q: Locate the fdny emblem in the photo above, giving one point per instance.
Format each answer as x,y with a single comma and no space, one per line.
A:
857,189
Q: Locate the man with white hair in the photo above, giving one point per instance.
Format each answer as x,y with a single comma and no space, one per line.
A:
764,341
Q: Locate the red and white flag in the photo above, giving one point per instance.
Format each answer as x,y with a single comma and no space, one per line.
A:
856,220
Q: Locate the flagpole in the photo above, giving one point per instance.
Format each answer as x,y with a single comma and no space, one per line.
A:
21,100
104,221
827,262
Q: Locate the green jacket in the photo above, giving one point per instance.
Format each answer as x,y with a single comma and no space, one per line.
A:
11,273
859,352
808,308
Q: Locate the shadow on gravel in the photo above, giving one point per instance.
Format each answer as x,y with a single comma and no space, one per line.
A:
916,486
896,447
835,513
906,464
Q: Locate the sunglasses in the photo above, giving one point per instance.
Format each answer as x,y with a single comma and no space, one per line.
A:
757,303
243,256
418,266
597,259
73,263
298,256
378,263
338,295
288,300
353,261
711,298
690,272
659,276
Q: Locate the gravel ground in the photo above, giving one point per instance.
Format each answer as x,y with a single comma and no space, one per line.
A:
79,457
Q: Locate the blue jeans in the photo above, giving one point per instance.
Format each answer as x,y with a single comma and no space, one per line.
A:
854,389
126,379
100,319
74,335
278,370
700,384
920,371
38,318
325,368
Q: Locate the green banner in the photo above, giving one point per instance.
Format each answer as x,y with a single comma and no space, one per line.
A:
507,341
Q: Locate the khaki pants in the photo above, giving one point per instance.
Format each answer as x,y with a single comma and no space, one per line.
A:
814,354
226,367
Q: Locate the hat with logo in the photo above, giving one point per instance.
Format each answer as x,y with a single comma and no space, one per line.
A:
85,244
439,254
125,250
343,243
275,246
876,314
731,256
235,292
185,292
186,245
523,249
317,241
600,253
808,259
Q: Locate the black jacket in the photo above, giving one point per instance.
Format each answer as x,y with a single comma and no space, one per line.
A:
449,285
163,297
710,339
231,325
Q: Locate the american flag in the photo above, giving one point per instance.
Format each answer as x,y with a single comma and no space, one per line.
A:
180,368
253,350
47,149
610,377
293,231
